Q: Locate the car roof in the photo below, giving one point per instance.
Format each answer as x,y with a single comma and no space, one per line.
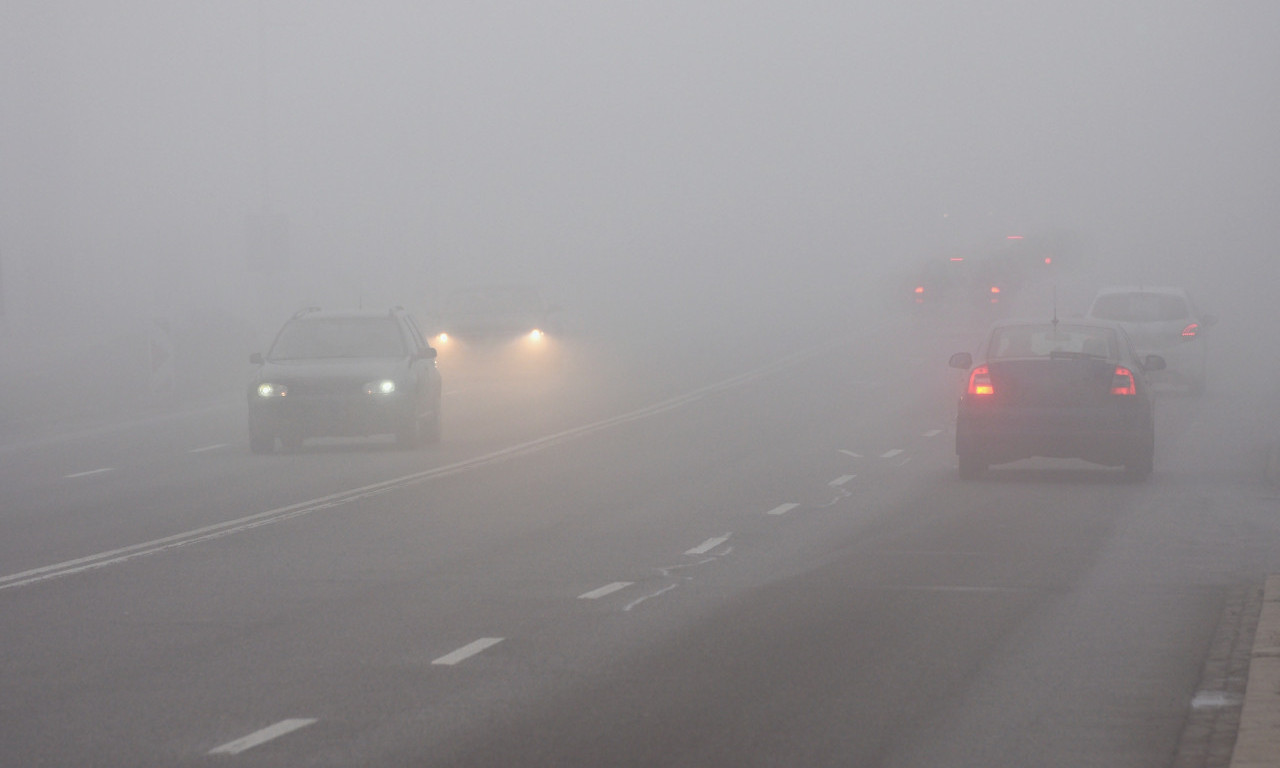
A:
1072,321
313,313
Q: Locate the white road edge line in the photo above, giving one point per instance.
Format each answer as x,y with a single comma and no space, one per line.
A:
782,509
90,472
851,453
841,480
213,447
708,545
891,453
280,514
262,736
467,651
607,589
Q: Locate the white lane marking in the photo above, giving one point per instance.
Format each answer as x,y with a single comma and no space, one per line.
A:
933,433
640,600
90,472
607,589
851,453
708,545
891,453
213,447
1214,699
841,480
782,509
280,514
262,736
467,651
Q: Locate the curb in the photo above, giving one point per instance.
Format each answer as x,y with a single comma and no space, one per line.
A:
1258,740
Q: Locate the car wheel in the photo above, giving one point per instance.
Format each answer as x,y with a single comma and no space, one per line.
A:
434,428
262,444
1140,468
410,435
971,466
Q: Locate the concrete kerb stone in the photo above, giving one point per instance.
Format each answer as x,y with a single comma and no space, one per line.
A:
1258,740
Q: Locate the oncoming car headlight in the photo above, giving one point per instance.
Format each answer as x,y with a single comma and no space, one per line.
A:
536,335
380,387
268,389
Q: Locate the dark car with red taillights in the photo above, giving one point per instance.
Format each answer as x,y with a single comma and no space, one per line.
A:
1057,390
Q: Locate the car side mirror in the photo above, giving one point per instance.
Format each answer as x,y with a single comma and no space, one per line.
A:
428,353
1153,363
256,358
961,360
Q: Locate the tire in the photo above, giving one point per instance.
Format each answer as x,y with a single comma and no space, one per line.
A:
259,444
971,466
409,436
1140,468
434,428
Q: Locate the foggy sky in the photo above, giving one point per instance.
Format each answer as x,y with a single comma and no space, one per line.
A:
663,149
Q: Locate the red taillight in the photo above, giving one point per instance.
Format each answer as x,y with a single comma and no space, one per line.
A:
1122,382
919,289
980,382
1190,331
1048,260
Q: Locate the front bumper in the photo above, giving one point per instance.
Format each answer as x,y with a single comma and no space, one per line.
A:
332,416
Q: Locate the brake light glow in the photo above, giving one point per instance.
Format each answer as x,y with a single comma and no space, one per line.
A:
980,382
1190,331
1122,382
995,289
919,289
1048,260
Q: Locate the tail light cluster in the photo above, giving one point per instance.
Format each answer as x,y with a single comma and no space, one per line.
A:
980,382
1122,382
1190,331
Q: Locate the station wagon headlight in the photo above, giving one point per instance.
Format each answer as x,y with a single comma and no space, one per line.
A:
380,387
268,389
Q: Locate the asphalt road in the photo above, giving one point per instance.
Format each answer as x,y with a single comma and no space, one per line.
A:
727,559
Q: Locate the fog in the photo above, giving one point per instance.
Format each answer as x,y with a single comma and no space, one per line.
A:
709,166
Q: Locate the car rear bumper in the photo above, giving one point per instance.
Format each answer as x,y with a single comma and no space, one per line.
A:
1109,436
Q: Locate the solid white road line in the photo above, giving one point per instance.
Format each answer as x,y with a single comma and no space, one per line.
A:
841,480
467,651
933,433
891,454
782,509
851,453
607,589
262,736
213,447
90,472
708,545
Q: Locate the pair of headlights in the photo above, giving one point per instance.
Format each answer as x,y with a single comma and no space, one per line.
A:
380,387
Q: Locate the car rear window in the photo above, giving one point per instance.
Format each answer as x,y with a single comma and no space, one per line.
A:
1044,340
325,337
1139,307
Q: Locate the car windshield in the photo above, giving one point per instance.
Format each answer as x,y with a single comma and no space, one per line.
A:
499,300
1139,307
1046,340
338,337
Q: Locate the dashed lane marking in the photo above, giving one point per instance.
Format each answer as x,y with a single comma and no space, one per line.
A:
851,453
262,736
607,589
467,651
708,545
841,480
933,433
213,447
88,473
891,453
782,509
